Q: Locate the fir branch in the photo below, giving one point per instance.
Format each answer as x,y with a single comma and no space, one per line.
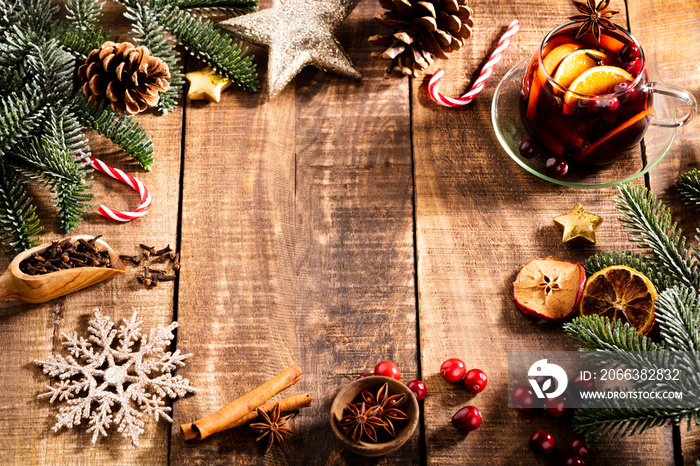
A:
19,224
80,42
35,15
218,7
617,422
84,12
51,159
150,33
20,114
649,223
122,130
678,315
689,187
226,56
52,69
596,332
603,259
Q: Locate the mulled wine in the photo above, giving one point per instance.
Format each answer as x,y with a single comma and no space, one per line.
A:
584,100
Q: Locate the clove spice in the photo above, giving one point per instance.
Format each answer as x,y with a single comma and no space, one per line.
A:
63,255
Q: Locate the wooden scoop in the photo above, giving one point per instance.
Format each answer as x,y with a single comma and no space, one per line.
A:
41,288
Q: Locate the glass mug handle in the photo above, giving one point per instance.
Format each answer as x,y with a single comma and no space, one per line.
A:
678,92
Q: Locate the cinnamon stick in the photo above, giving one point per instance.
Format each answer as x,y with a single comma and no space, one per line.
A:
293,403
229,415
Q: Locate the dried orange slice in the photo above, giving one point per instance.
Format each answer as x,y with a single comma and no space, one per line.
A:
595,81
575,64
621,292
549,288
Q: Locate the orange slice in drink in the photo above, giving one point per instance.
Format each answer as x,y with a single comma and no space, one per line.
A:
575,63
550,61
620,292
583,155
595,81
553,58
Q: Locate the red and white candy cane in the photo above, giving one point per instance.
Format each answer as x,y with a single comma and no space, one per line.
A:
133,183
483,76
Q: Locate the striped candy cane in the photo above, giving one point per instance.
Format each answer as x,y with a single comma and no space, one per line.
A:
133,183
483,76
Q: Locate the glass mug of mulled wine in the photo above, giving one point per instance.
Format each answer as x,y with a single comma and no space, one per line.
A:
588,101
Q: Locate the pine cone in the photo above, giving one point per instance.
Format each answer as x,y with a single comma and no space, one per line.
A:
423,30
128,76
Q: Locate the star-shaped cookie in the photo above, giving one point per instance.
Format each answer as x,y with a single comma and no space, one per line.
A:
297,33
206,84
578,224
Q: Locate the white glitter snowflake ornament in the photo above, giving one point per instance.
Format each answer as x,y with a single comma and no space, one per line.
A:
115,376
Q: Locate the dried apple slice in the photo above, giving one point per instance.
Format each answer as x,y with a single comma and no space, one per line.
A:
549,288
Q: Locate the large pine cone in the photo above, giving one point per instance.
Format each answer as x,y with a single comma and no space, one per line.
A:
128,76
423,30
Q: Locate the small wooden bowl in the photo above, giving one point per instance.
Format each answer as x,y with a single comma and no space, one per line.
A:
352,391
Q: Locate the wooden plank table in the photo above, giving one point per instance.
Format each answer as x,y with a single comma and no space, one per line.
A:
337,225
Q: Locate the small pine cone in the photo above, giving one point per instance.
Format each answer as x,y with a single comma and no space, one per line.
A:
422,31
128,76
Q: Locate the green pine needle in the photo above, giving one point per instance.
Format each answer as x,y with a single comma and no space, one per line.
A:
147,31
614,422
19,224
649,223
598,332
122,130
689,186
84,12
678,315
218,7
672,265
603,259
226,56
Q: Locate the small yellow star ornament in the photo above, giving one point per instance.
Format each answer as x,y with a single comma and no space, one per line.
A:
578,224
206,84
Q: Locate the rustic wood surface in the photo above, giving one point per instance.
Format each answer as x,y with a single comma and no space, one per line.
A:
334,226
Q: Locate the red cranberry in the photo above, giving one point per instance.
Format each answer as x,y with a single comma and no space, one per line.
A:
610,105
542,442
589,107
556,167
528,149
629,52
626,94
388,369
634,67
580,448
453,370
475,380
556,407
362,376
467,419
418,389
574,461
523,398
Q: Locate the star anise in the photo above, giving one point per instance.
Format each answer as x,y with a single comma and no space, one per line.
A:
272,426
361,421
593,17
385,407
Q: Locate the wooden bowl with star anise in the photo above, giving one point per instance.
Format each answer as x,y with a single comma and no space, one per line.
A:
374,416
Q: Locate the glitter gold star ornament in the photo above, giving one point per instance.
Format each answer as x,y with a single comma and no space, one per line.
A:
297,33
206,84
578,225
